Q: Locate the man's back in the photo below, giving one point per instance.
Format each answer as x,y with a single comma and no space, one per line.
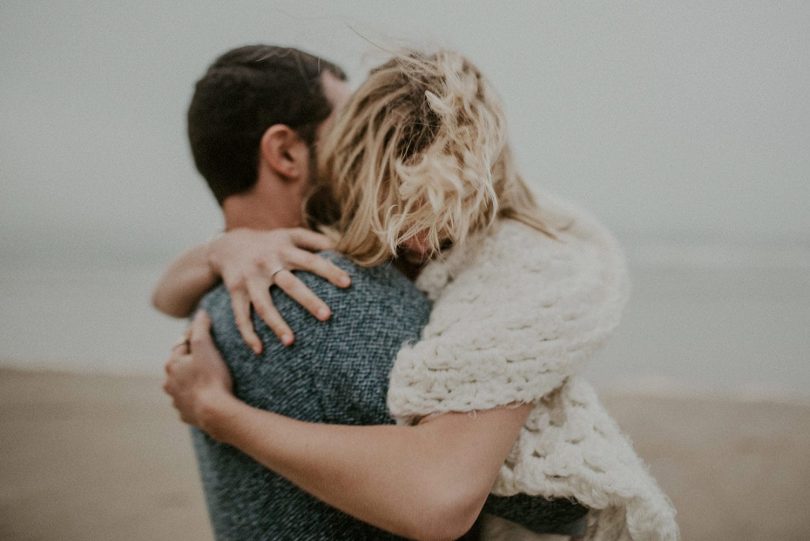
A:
336,372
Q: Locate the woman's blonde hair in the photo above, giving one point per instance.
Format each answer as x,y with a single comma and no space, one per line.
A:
420,149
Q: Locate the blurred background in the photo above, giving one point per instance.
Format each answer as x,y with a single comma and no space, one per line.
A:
685,127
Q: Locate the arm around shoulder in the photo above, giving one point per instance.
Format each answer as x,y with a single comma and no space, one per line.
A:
184,283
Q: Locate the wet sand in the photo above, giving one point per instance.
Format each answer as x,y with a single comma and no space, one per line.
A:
99,457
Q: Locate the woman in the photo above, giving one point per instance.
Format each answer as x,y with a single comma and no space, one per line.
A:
416,163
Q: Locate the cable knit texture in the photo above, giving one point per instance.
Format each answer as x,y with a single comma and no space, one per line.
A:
515,316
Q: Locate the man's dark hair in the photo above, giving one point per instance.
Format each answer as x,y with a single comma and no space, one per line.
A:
244,92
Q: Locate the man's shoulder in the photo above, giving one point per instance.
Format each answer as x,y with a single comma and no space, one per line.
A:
381,282
377,297
376,292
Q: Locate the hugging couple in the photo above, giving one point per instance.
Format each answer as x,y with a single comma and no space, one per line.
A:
417,376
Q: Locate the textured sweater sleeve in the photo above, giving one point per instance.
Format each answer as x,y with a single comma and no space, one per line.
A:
518,313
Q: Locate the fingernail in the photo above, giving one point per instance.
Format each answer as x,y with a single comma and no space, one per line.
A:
286,339
345,281
257,349
324,313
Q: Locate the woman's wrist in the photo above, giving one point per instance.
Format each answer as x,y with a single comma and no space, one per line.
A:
216,408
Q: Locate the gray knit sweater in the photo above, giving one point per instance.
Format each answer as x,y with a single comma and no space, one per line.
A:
336,372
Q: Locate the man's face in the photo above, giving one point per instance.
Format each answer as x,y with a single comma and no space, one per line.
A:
337,92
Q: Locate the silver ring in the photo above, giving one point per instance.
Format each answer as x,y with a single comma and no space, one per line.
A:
278,270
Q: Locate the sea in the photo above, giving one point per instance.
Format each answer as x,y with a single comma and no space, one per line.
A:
706,319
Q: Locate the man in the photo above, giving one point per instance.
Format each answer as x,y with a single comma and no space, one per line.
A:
253,124
254,121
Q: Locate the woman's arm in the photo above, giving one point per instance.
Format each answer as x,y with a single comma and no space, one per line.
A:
248,262
427,481
184,282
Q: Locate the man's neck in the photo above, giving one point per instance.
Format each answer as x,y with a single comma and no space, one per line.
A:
253,213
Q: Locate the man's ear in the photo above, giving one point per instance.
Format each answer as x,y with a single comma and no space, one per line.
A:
284,151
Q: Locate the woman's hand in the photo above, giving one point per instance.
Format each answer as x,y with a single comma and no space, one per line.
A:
251,261
197,378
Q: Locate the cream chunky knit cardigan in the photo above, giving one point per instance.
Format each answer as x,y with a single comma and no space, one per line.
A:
515,316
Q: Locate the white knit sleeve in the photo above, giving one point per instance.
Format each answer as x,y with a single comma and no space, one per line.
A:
519,318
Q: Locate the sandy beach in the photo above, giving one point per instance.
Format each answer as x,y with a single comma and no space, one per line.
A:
101,457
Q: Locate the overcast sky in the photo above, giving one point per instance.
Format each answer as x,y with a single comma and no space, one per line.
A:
682,120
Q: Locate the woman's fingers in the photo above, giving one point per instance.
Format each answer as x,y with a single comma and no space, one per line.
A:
240,302
200,331
310,240
171,367
303,260
194,375
249,263
202,344
168,366
249,274
301,294
182,343
259,292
